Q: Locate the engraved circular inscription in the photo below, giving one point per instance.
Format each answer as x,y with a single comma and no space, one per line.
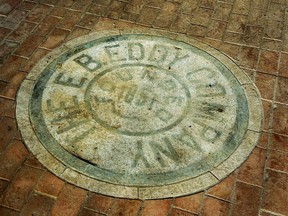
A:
137,99
139,115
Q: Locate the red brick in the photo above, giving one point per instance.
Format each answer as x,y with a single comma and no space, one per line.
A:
32,161
223,189
70,20
29,45
278,161
178,212
282,90
38,205
241,6
278,142
270,44
253,35
197,30
125,207
24,29
283,68
108,24
216,29
155,3
280,119
8,129
56,37
237,23
97,9
156,207
11,88
58,12
88,21
181,23
14,18
263,141
148,15
6,48
274,29
8,212
252,170
265,84
135,6
4,32
115,9
189,6
49,184
189,203
246,200
267,107
100,203
26,5
164,20
88,212
18,192
3,185
275,196
233,37
248,57
202,16
66,3
69,201
38,13
47,25
268,62
7,6
36,56
81,4
77,32
230,49
222,11
215,207
12,159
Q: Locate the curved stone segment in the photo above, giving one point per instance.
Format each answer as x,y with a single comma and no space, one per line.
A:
139,114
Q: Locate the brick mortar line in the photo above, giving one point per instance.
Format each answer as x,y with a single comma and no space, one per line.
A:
8,207
184,210
201,203
278,171
270,127
84,202
218,198
139,213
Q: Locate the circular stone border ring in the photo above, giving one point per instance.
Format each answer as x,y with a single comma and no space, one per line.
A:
140,114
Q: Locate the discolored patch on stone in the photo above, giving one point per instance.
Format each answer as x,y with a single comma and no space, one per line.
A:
139,114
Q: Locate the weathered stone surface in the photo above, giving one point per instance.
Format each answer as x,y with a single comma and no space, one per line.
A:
139,114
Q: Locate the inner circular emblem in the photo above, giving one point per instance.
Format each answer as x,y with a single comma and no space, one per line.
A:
137,99
139,115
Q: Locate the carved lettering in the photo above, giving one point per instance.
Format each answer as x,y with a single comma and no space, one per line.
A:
158,54
169,152
140,155
68,81
135,51
88,63
113,53
186,138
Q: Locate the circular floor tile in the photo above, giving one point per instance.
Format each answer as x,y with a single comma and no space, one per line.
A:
139,114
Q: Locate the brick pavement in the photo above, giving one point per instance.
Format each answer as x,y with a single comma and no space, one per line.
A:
254,33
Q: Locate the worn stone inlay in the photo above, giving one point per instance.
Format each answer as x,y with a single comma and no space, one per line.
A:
139,110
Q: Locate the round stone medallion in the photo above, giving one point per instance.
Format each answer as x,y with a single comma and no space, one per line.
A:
139,114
